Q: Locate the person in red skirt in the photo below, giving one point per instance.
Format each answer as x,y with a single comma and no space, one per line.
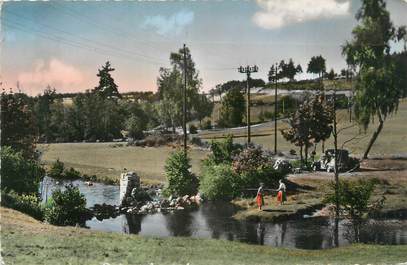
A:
281,196
260,196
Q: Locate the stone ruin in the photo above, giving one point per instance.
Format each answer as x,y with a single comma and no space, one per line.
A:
128,182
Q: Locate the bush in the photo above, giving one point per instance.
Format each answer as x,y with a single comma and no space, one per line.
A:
218,182
71,173
57,169
193,129
66,207
250,159
180,179
28,204
19,174
223,152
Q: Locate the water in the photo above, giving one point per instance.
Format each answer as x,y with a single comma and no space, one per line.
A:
215,221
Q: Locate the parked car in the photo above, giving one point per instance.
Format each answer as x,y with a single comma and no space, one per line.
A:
327,161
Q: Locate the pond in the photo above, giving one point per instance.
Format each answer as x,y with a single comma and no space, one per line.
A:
215,221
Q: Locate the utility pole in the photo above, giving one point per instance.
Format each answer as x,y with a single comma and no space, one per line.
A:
184,99
273,77
336,173
248,70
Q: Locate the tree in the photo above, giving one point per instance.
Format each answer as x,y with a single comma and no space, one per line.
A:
232,109
42,109
379,85
203,108
170,84
17,123
310,124
107,88
331,75
19,173
135,126
317,65
180,179
288,70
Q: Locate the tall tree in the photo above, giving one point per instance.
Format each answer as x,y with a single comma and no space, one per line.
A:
170,83
42,109
317,66
17,124
233,108
310,124
379,84
107,88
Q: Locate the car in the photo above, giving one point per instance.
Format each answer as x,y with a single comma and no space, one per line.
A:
327,161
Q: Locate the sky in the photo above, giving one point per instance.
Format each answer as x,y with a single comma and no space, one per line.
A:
64,43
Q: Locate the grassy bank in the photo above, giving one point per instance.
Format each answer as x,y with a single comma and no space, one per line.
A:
390,177
27,241
107,160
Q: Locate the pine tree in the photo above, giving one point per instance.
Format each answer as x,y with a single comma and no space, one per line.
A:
107,88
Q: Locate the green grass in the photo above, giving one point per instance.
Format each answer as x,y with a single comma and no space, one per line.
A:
392,140
104,160
26,241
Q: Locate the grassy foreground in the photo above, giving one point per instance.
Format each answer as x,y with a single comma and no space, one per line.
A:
27,241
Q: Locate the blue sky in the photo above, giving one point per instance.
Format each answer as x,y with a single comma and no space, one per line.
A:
64,43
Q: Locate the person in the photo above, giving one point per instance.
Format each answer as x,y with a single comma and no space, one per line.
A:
259,196
281,196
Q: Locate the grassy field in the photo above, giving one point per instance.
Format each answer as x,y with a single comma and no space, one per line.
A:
392,140
109,159
27,241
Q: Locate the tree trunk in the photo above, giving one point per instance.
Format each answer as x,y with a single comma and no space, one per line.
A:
374,136
306,154
323,146
301,158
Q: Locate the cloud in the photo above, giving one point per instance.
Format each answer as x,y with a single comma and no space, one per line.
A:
279,13
174,24
56,73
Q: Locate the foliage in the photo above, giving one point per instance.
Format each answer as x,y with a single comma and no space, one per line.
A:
18,173
310,124
254,165
180,179
57,169
218,182
203,107
107,88
17,123
379,84
223,151
67,207
353,198
135,126
317,65
287,70
233,109
206,125
26,203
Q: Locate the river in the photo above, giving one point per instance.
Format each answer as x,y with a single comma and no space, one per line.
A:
214,220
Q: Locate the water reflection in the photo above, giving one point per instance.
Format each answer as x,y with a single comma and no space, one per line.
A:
215,221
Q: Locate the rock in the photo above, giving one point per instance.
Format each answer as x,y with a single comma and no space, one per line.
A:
164,203
179,208
185,198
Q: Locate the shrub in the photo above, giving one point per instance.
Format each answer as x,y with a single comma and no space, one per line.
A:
218,182
57,169
193,129
180,179
71,173
354,197
19,174
66,207
223,152
249,159
264,174
28,204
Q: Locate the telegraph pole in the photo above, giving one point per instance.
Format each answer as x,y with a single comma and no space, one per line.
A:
273,76
248,70
184,99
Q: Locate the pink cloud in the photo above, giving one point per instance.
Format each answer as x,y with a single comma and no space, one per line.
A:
56,73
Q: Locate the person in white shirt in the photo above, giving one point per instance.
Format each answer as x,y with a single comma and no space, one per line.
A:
281,195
